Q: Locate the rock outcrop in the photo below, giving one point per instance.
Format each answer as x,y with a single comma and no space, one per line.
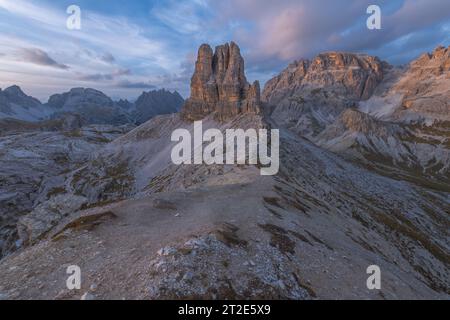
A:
436,63
219,85
46,215
426,88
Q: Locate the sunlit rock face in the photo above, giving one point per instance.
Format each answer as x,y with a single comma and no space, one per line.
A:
425,89
353,75
219,85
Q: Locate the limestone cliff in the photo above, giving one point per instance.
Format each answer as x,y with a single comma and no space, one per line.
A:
219,85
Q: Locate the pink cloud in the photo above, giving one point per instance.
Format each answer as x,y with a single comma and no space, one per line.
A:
289,29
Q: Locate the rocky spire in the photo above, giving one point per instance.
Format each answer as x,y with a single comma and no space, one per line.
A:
219,85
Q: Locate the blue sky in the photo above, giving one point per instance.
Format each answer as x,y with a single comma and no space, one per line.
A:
126,47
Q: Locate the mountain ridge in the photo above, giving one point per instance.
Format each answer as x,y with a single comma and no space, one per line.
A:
91,104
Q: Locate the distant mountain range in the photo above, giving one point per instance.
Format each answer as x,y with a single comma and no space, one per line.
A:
92,105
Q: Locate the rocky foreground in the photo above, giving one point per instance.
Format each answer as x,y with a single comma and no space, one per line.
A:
363,180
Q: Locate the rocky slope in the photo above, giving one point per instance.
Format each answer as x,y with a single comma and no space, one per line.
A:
227,232
141,227
410,152
34,161
219,85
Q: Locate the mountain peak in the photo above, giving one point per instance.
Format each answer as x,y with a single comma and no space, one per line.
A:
156,102
352,75
15,90
14,94
219,85
436,62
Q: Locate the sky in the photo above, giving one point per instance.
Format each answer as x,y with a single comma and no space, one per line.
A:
125,47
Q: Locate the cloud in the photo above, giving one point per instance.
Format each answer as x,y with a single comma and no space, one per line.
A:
121,72
409,19
105,76
96,77
34,12
108,58
182,16
40,57
100,31
134,85
274,33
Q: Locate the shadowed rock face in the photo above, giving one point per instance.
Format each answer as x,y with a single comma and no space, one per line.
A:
219,85
93,105
15,95
156,102
14,103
